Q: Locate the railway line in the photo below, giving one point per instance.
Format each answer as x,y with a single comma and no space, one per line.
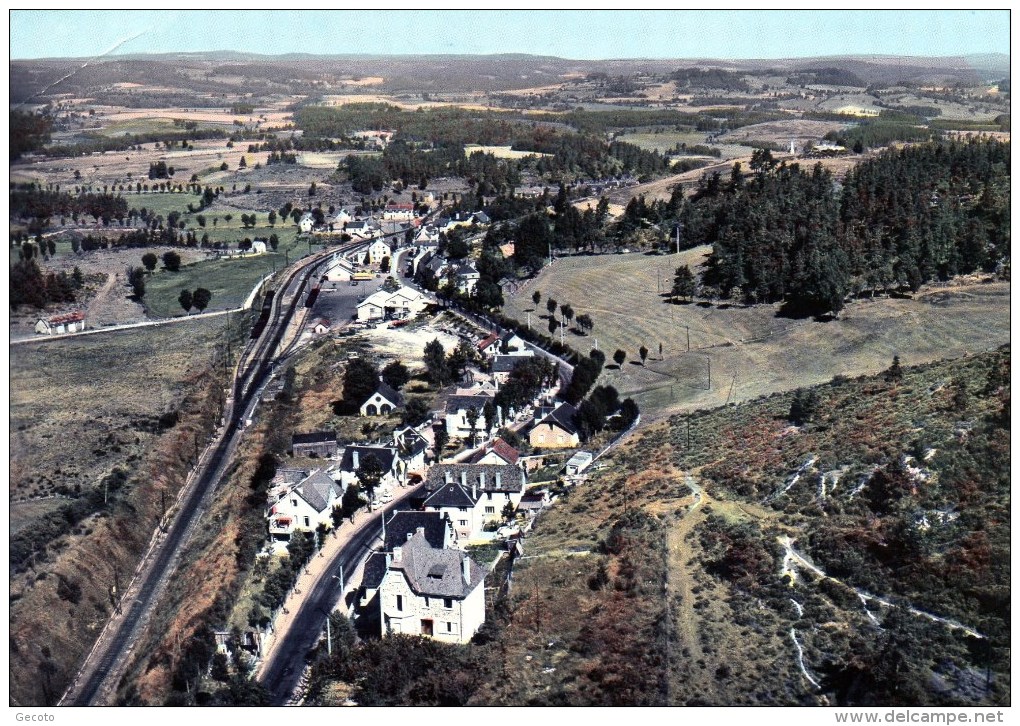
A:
100,675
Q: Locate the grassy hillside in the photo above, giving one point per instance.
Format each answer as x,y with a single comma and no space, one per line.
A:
751,350
690,570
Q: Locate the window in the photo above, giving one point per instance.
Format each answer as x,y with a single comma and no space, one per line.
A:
293,502
488,496
541,438
306,522
449,627
462,522
490,510
463,509
448,603
400,602
426,601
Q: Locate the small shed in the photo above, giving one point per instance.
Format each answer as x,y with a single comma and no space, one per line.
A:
59,324
579,462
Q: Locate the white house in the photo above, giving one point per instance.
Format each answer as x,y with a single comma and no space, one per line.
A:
473,494
401,304
383,401
394,469
411,448
378,250
401,212
456,415
306,223
258,247
467,278
498,452
59,324
340,270
304,506
364,229
342,218
432,592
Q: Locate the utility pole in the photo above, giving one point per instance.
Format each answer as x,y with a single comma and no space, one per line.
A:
329,638
709,374
732,383
529,320
688,338
678,226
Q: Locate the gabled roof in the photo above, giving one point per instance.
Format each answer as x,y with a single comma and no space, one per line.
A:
506,363
501,449
562,416
437,572
388,393
482,476
403,525
450,495
463,403
314,437
315,489
385,454
375,569
467,269
487,341
482,218
409,441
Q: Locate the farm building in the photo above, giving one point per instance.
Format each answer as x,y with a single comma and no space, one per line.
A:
59,324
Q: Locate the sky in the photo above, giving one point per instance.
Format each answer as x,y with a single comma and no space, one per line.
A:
579,34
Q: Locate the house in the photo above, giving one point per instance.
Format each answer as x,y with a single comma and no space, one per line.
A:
306,223
340,270
473,494
258,247
555,429
394,469
503,366
509,286
363,229
411,447
342,218
378,250
467,278
510,341
533,502
481,218
427,235
579,462
382,402
416,260
429,591
498,452
401,304
486,345
322,444
456,415
305,506
321,326
59,324
401,212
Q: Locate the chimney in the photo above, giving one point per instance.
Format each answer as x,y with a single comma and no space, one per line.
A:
449,477
481,479
388,560
463,478
467,569
409,535
418,530
499,479
474,491
355,459
396,555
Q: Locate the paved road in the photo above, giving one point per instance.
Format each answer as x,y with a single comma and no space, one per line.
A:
285,662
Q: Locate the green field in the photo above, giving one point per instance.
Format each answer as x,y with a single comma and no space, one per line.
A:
748,351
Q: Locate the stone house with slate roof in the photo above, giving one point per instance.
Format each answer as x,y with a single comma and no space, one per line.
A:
431,591
394,469
305,505
555,429
456,420
472,494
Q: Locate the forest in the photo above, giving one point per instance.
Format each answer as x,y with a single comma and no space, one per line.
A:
897,221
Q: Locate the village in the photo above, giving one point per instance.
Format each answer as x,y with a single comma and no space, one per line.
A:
459,482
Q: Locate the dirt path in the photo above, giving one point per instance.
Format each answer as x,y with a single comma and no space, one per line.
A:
679,588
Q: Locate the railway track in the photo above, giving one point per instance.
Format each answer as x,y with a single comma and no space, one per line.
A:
100,675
